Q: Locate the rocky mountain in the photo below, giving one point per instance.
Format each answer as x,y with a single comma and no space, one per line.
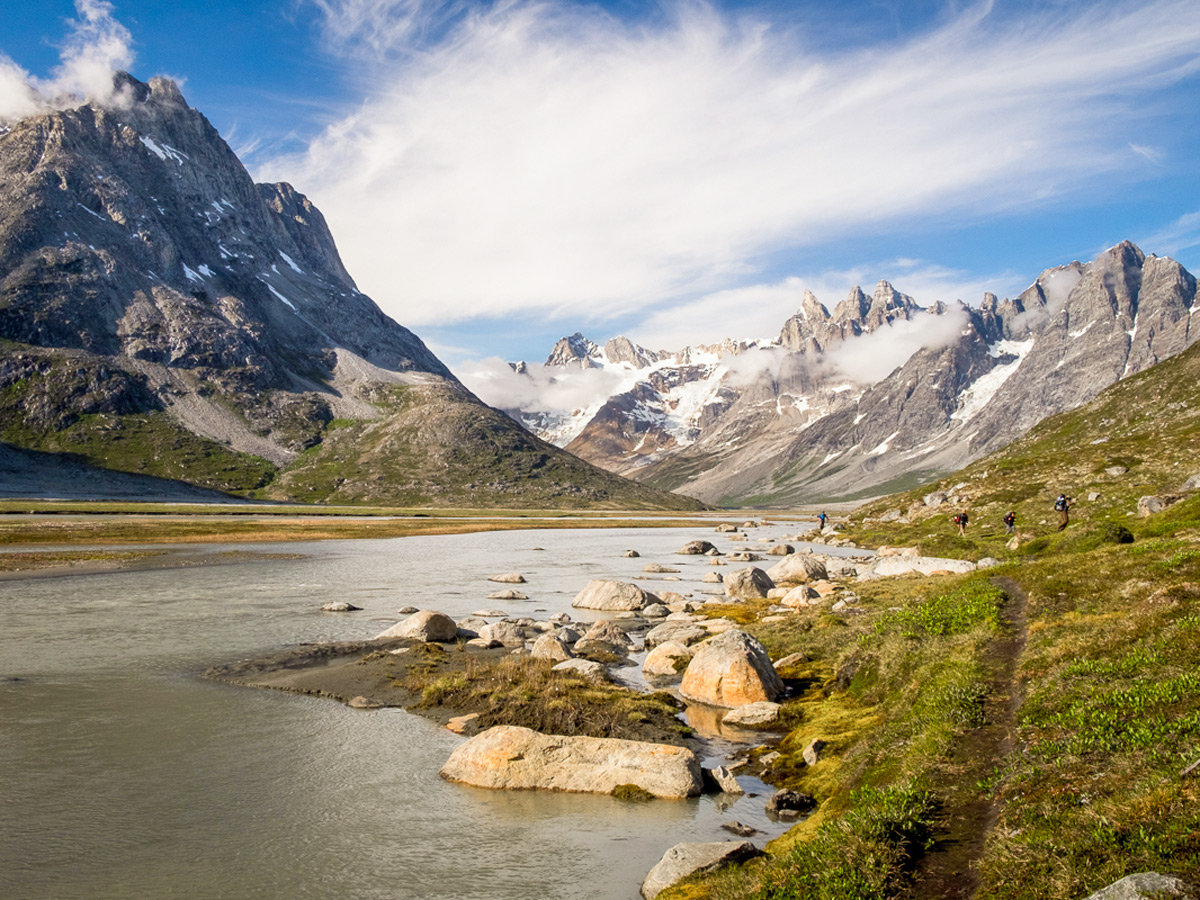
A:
163,315
799,419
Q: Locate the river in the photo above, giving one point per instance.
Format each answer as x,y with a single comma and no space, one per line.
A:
123,774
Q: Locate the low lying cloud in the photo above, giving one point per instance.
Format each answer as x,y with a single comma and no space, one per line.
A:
872,357
541,389
550,158
96,47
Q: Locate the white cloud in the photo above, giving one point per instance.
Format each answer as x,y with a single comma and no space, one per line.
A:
872,357
1181,234
96,47
542,389
546,156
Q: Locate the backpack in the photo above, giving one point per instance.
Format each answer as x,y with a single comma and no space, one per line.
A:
1061,503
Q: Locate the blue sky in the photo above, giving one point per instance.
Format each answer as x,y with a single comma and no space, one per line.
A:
498,175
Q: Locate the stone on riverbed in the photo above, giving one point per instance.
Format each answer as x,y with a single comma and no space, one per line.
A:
685,632
340,606
748,584
686,859
508,757
507,633
550,647
592,671
753,715
614,596
668,658
695,548
508,578
508,595
424,625
799,568
733,669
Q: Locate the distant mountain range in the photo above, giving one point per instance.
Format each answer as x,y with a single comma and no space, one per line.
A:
803,418
162,315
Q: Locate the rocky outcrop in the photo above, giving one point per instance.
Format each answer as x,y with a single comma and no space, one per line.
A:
731,670
925,565
613,596
424,625
1147,886
687,859
512,758
798,568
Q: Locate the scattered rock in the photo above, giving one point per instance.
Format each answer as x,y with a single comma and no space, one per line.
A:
783,803
724,780
726,528
686,859
464,725
364,703
1116,471
487,614
659,569
610,633
988,562
1146,886
812,752
340,606
797,568
937,498
792,659
656,611
744,556
592,671
1148,506
753,715
781,550
548,646
925,565
631,554
424,625
750,583
1192,484
713,578
739,829
799,596
696,548
406,610
478,643
731,670
508,578
683,632
667,659
508,595
613,596
507,634
1093,496
508,757
560,618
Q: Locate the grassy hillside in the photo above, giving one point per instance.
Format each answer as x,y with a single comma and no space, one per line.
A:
1026,731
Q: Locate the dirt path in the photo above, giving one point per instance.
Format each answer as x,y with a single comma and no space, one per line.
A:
949,869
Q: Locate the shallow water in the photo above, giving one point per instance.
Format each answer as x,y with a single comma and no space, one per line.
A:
125,775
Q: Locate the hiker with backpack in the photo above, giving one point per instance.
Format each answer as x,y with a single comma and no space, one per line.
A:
1062,506
1010,521
961,521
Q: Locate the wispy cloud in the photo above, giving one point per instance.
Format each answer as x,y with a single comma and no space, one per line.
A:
1181,234
96,46
549,157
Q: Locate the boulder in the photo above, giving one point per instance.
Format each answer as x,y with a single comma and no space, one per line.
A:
687,859
407,610
750,583
508,595
464,725
792,659
799,596
486,614
659,569
508,578
683,632
1147,886
656,611
567,634
695,548
610,633
812,753
667,659
744,556
739,828
1148,506
781,550
548,646
726,528
613,596
592,671
1192,484
753,715
797,569
340,606
508,757
793,802
937,498
724,780
731,670
423,625
361,702
631,554
713,578
509,634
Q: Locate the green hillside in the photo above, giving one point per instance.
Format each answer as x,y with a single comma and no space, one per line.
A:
1025,731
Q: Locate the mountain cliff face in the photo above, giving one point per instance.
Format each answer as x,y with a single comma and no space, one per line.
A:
789,422
162,314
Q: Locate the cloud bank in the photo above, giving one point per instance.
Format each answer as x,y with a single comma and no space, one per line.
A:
96,46
550,159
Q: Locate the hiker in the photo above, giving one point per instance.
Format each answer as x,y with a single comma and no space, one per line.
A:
1010,521
821,518
961,521
1062,506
